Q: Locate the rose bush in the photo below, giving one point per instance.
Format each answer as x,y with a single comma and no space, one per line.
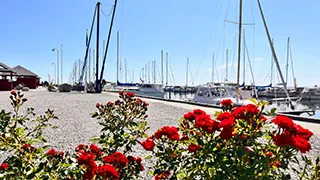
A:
237,143
28,156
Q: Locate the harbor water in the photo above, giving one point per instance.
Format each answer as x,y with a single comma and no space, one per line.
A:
310,104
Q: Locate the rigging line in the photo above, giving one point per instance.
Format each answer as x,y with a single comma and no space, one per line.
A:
174,81
89,40
121,28
209,39
264,63
233,54
252,76
107,15
219,47
192,80
254,33
291,62
252,11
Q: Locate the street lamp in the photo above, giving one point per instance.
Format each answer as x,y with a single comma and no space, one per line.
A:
55,71
55,49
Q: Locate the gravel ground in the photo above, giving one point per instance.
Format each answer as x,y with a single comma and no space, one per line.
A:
76,126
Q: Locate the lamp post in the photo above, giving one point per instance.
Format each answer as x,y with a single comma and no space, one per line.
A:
54,72
55,49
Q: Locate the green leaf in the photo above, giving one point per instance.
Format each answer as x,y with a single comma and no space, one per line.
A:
181,175
148,157
254,101
41,138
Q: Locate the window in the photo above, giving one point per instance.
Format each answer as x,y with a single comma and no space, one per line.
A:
203,92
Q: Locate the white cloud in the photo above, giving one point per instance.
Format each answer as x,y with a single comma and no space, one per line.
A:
258,59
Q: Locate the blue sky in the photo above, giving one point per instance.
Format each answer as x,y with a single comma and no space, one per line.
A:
183,28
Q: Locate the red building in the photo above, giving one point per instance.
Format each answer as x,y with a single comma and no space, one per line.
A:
25,77
6,77
11,77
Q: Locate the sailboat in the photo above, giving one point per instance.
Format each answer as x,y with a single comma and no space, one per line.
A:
275,92
214,93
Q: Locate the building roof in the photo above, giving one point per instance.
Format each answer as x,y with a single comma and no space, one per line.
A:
4,68
21,71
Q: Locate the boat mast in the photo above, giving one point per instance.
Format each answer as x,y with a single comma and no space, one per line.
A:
274,54
162,67
187,72
287,64
212,74
125,70
294,78
149,71
239,50
154,72
117,57
271,76
244,58
167,72
227,65
98,90
108,40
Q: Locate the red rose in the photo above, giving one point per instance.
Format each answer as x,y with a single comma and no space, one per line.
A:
252,109
139,160
4,166
244,136
225,115
206,123
51,152
239,112
189,116
121,93
95,149
163,175
141,168
13,92
284,122
184,138
275,163
89,174
304,133
81,147
108,159
197,112
226,133
263,118
284,139
131,158
227,123
300,143
108,171
226,102
170,132
130,94
97,105
269,154
86,159
148,144
120,160
109,103
61,154
193,148
28,148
